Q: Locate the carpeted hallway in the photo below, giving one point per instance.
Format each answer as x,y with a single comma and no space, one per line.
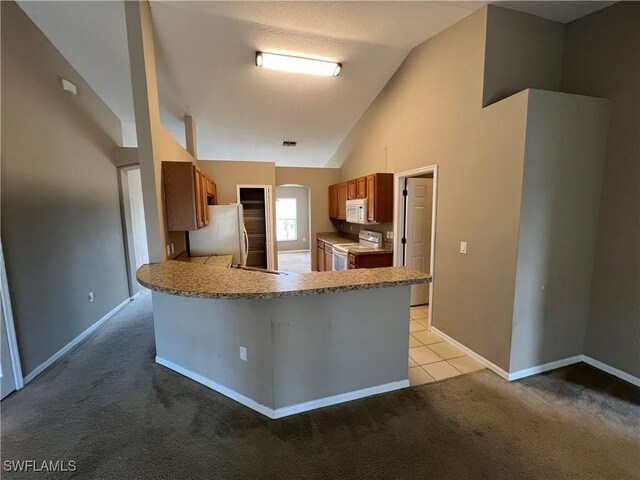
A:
110,408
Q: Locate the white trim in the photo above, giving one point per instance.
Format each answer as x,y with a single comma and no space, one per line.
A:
545,367
268,220
246,401
136,295
398,223
627,377
284,411
294,251
7,312
43,366
478,358
340,398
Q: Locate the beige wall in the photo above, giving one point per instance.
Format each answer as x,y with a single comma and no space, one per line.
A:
61,227
430,113
564,154
228,175
601,58
318,181
155,144
522,51
302,241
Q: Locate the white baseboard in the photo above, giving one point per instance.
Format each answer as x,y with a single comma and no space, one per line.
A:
43,366
478,358
611,370
294,251
527,372
340,398
284,411
545,367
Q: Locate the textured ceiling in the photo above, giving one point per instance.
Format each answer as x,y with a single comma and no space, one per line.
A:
205,54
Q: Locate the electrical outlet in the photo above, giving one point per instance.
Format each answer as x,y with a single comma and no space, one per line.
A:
91,296
463,247
390,235
168,250
173,249
243,353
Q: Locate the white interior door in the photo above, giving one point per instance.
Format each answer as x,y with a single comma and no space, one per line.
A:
418,233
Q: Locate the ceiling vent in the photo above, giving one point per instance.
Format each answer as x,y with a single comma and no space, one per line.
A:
289,143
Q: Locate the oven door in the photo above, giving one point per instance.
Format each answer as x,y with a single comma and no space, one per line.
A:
340,259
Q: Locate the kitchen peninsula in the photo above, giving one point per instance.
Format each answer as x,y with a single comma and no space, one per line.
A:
282,343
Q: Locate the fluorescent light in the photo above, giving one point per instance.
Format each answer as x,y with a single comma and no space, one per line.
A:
287,63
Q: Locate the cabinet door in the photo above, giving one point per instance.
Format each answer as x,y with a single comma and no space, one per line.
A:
328,259
197,180
361,187
333,201
351,189
320,256
203,198
371,197
342,201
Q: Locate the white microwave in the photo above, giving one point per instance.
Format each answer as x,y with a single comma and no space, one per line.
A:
357,210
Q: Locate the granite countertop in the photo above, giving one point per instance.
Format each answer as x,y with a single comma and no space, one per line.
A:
333,238
202,280
363,250
212,260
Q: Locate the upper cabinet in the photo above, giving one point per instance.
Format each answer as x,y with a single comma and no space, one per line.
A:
187,193
342,201
377,188
379,197
333,201
351,189
361,187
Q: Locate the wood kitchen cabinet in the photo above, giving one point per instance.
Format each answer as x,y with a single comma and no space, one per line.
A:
187,193
373,260
328,258
380,197
377,188
361,187
342,201
351,189
320,256
333,201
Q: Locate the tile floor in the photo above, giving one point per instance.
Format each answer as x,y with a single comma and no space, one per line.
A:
432,358
298,262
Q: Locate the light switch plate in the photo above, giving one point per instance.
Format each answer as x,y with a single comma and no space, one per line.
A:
463,247
243,353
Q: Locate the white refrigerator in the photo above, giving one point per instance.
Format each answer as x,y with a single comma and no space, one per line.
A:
225,234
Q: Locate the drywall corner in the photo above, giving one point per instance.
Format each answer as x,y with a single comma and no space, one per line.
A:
564,154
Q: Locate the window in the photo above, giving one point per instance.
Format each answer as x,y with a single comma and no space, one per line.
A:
286,219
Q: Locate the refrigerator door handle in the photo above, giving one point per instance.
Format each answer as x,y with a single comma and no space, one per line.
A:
245,236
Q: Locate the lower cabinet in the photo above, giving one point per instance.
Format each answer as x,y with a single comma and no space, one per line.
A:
328,258
320,256
324,256
373,260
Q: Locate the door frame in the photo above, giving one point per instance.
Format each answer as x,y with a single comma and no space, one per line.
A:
127,228
399,223
268,220
7,312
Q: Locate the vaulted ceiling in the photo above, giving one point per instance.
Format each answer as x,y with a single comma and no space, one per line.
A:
205,60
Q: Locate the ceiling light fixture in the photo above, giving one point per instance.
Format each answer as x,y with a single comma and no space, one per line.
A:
287,63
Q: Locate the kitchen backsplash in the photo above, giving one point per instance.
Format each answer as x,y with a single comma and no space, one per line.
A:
354,229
